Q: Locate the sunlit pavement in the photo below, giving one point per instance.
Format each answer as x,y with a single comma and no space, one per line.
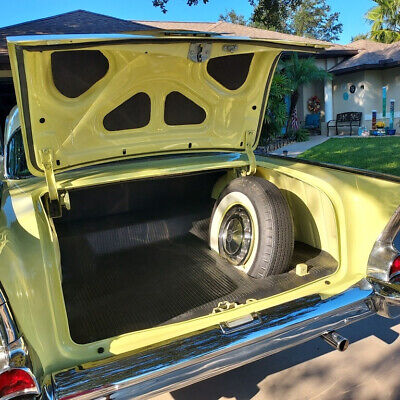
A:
368,370
295,149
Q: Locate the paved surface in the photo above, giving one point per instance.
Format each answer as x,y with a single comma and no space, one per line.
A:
297,148
368,370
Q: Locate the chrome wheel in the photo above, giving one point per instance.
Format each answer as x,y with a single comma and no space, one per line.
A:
235,235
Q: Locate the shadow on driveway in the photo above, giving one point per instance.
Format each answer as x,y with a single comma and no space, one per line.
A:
313,370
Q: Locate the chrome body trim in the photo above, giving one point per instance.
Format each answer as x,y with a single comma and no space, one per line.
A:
14,352
8,328
11,126
384,252
204,354
387,298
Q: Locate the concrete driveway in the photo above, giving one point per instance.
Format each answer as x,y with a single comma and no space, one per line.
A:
368,370
296,148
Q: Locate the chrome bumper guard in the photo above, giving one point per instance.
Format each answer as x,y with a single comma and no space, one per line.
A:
205,354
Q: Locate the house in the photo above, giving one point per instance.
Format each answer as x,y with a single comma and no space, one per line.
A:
374,66
363,65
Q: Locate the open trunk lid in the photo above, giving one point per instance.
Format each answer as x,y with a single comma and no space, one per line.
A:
86,100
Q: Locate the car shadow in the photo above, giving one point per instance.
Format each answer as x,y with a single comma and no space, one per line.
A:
242,383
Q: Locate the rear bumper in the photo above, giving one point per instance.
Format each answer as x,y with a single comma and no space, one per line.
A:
208,353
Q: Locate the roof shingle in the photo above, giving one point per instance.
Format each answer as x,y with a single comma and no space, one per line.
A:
230,29
78,21
371,55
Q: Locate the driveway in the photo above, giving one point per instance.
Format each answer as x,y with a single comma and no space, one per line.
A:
295,149
368,370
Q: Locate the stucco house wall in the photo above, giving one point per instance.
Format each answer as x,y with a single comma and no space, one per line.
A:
368,94
391,78
310,90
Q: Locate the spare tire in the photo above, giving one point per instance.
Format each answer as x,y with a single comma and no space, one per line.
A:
251,226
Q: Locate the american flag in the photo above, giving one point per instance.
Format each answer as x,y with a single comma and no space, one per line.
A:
294,120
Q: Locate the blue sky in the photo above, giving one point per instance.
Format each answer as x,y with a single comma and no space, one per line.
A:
352,11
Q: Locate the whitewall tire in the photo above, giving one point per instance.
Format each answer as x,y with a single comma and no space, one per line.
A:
251,226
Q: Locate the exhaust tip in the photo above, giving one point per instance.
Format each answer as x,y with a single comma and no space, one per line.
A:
343,345
337,341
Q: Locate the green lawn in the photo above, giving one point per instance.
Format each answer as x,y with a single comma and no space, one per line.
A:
375,154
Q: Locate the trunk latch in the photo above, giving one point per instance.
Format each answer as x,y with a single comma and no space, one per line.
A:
224,306
55,200
199,52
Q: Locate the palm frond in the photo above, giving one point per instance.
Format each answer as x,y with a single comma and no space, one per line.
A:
301,71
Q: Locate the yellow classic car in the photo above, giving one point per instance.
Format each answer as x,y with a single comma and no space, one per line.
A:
144,246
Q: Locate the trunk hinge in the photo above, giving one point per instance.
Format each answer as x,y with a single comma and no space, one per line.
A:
249,142
55,200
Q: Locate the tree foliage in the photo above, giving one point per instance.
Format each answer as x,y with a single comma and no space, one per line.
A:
385,19
360,36
273,14
313,18
301,71
232,17
293,73
162,4
276,113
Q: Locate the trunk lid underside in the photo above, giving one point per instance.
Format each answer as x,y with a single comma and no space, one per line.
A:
88,100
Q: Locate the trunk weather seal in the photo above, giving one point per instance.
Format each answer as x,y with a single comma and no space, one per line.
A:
265,97
150,154
25,104
40,48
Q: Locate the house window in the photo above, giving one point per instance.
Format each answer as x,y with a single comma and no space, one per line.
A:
180,110
230,71
134,113
75,72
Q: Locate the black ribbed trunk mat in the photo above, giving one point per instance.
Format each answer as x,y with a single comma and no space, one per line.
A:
131,278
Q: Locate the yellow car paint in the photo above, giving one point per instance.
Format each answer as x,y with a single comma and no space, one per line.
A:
30,268
349,210
72,128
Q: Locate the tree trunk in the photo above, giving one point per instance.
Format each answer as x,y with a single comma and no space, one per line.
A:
293,102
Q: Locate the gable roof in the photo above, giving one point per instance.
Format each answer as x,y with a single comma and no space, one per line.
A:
371,55
228,28
78,21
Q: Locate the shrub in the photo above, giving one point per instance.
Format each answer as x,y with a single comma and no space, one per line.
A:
276,113
301,135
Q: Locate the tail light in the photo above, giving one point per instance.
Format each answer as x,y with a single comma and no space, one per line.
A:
16,377
395,270
17,382
383,262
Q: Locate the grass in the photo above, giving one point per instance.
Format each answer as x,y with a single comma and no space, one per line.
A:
380,154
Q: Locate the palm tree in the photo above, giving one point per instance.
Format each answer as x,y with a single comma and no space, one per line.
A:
301,71
385,19
276,112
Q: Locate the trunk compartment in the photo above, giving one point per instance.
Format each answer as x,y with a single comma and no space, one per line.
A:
135,255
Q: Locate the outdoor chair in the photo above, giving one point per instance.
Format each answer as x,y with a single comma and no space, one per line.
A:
313,123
